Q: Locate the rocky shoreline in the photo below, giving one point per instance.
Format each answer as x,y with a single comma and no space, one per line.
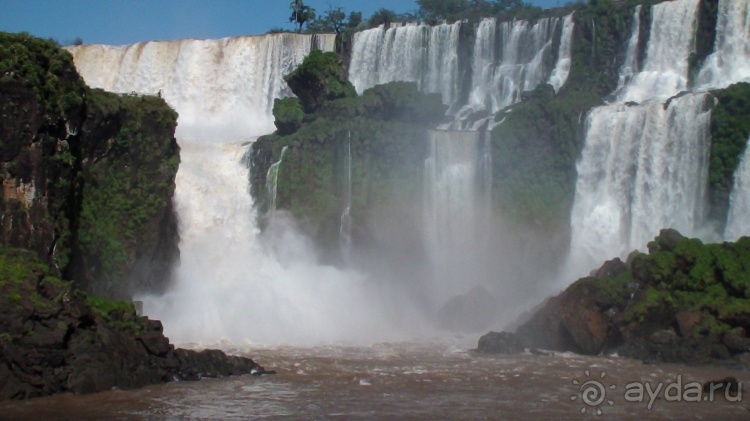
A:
683,302
55,339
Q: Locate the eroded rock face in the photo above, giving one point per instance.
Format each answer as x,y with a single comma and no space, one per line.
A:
54,338
87,176
684,302
500,343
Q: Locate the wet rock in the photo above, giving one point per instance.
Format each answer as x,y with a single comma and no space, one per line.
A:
688,320
611,269
736,341
681,303
81,348
500,343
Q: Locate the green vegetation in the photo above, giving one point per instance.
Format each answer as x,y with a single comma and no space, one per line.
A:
536,147
387,130
301,14
730,130
127,189
319,78
116,314
45,69
19,265
103,166
680,275
29,289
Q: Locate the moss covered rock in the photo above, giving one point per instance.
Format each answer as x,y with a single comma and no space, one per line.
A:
88,176
383,133
56,338
677,303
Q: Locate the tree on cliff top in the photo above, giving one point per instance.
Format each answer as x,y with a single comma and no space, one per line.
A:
319,78
301,13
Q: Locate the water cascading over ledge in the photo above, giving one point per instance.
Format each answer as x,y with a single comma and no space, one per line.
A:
506,59
645,166
231,284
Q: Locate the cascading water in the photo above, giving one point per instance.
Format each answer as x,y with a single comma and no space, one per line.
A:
630,66
272,181
730,62
738,219
427,55
345,227
642,169
430,56
562,68
498,81
453,209
232,284
671,40
645,167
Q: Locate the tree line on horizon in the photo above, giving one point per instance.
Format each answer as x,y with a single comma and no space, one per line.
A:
335,19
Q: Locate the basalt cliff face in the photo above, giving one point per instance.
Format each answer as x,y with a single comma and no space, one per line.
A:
88,176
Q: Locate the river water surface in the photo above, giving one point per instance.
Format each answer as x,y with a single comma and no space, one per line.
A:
425,380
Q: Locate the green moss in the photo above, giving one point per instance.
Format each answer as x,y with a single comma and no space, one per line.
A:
652,299
45,69
127,191
730,129
318,79
288,115
18,266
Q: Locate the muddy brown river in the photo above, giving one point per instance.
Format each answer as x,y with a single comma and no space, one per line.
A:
425,380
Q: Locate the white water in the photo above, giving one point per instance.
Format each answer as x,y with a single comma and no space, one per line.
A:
630,66
671,40
345,226
730,62
738,220
498,82
562,68
231,283
643,167
453,210
427,55
272,181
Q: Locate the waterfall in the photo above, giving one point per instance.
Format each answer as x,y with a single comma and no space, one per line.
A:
453,208
231,283
498,81
427,55
644,167
671,40
206,81
508,59
738,220
272,180
562,68
345,227
630,66
730,62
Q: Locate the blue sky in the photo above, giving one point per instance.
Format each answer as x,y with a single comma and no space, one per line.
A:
129,21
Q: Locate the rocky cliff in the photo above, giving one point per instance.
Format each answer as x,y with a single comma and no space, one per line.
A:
55,338
684,301
88,176
342,150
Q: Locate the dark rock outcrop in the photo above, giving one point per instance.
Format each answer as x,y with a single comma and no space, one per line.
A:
56,339
88,176
685,302
500,343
